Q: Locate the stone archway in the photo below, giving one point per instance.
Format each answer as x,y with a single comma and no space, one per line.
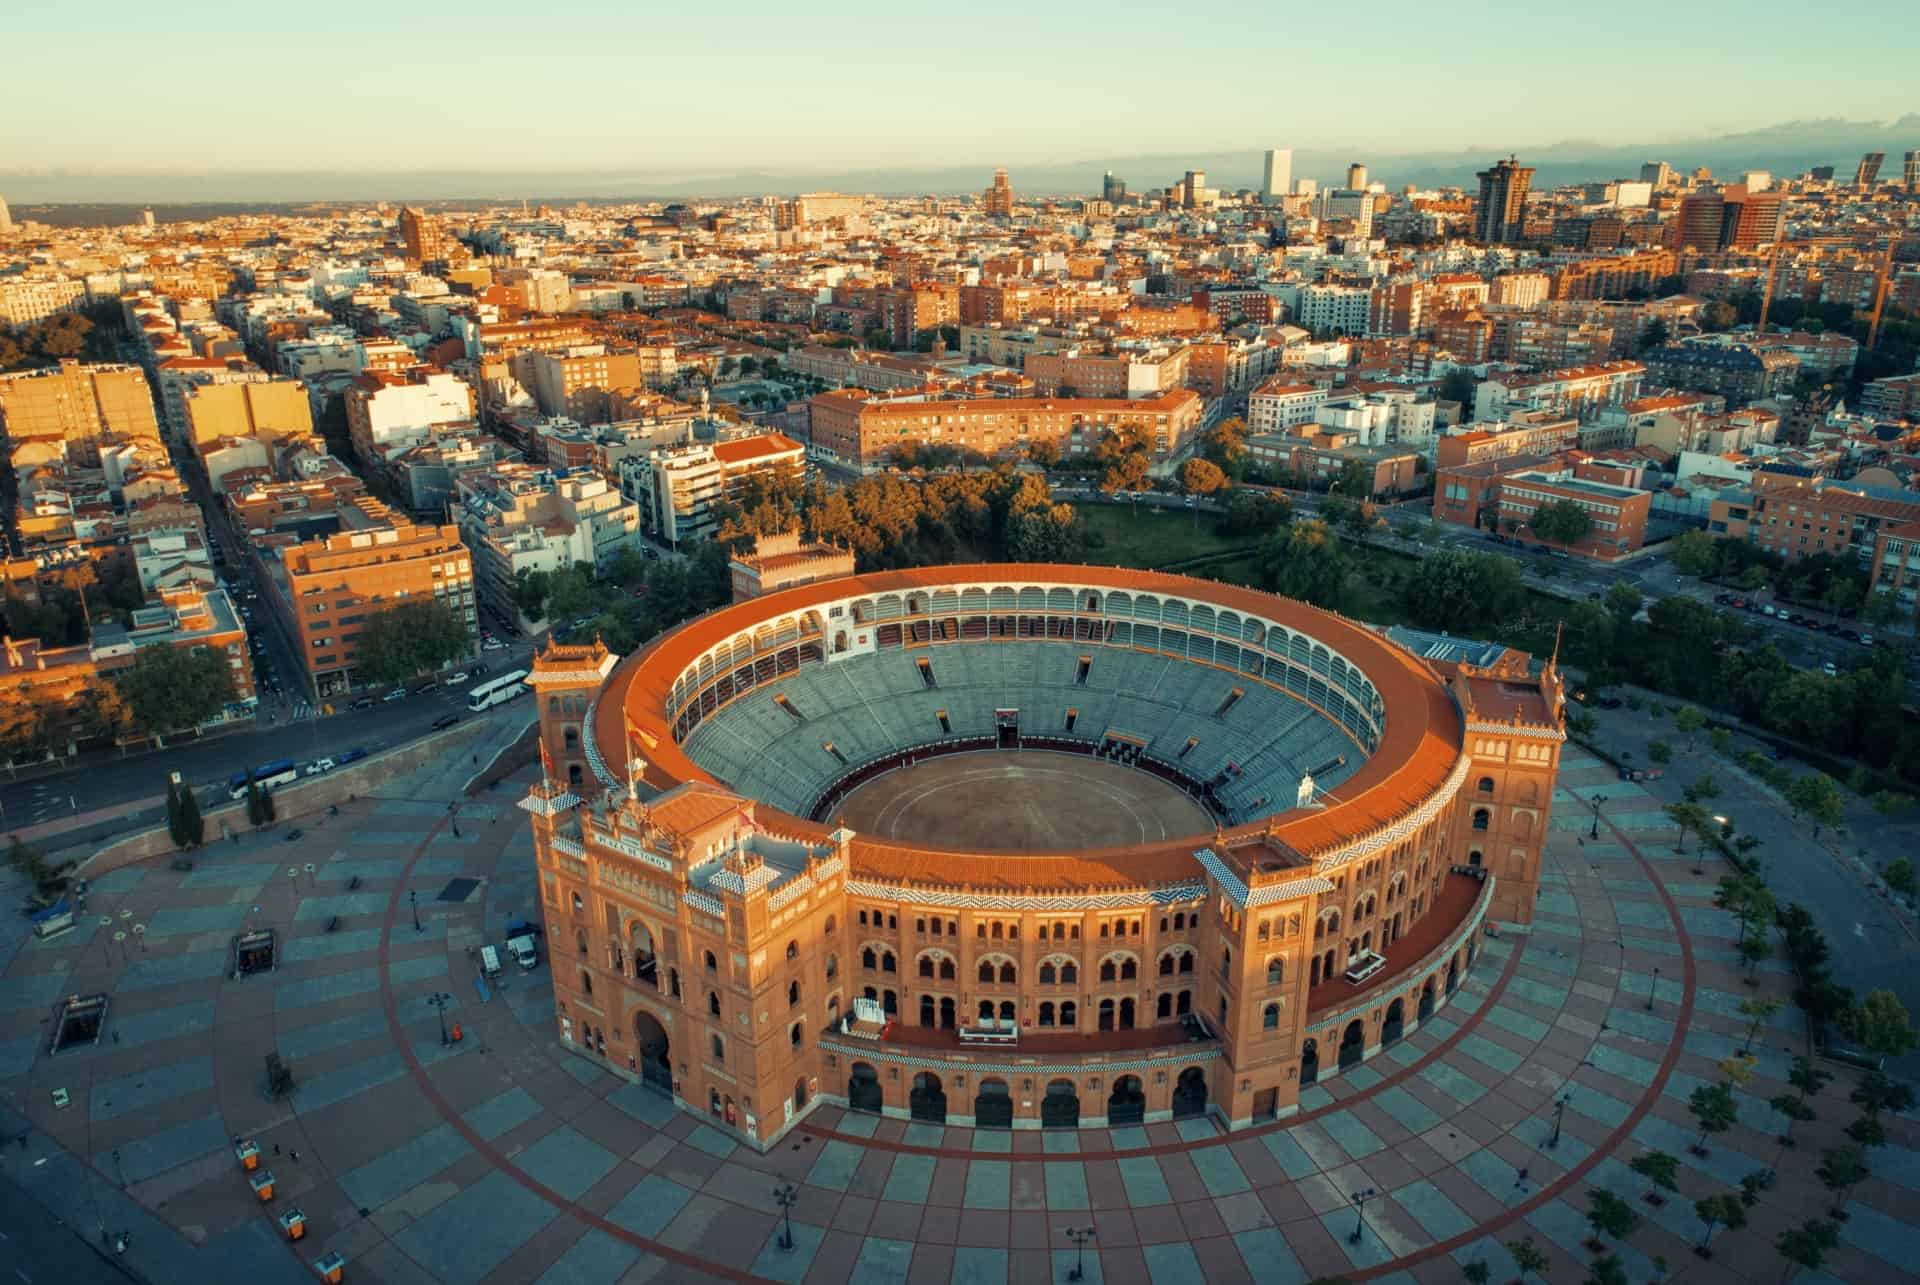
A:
1353,1044
993,1105
863,1089
1309,1061
1453,975
1127,1104
1060,1108
1396,1024
928,1100
651,1051
1426,1000
1190,1093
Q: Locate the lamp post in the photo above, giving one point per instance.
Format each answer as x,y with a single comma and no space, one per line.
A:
440,1000
786,1195
1360,1199
1653,986
1597,800
1559,1109
413,899
453,817
1079,1236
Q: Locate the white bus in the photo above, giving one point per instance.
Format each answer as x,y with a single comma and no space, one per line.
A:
497,690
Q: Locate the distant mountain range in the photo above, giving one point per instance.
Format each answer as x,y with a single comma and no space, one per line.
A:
1785,149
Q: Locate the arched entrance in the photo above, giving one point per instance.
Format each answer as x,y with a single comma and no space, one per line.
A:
1453,975
1352,1044
650,1039
1190,1093
1060,1108
993,1105
1266,1104
946,1013
1309,1062
1127,1104
863,1089
800,1095
928,1101
1396,1024
1426,1000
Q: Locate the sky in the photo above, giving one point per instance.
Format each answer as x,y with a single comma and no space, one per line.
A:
664,87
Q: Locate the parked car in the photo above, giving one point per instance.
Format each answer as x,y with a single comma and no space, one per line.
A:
493,644
362,702
1866,640
320,765
455,679
1828,668
397,694
426,687
445,721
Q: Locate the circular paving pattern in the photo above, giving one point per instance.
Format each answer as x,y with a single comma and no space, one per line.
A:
502,1158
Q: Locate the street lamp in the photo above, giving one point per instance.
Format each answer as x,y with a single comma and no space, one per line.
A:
1079,1236
1653,986
1360,1199
453,817
413,899
1559,1109
440,1000
786,1195
1597,800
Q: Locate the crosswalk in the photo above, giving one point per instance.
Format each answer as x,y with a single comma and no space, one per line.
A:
301,712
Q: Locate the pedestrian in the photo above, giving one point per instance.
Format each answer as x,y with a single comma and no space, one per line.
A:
295,1157
276,1148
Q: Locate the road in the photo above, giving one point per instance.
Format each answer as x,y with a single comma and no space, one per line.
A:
36,1249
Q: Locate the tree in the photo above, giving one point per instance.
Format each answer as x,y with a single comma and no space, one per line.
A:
23,726
1606,1270
176,828
1609,1215
1868,1132
1879,1024
1528,1257
1756,1010
169,689
1818,796
1689,721
1200,478
1795,1108
1693,554
1457,590
192,825
1713,1110
1687,817
1623,602
1899,876
1660,1169
1256,513
1562,522
1306,562
1457,385
1477,1272
1718,1211
412,638
1753,1184
1653,334
1841,1168
1807,1245
1876,1092
1717,316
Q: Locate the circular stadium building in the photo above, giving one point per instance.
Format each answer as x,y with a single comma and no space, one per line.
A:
1024,846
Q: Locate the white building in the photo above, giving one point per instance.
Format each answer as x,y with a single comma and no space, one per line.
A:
1281,403
1342,309
1277,175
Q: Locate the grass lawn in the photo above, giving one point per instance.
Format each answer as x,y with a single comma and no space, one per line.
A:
1149,537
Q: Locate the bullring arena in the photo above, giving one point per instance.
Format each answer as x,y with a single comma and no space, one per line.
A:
1025,846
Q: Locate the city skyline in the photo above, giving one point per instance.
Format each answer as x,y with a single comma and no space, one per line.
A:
723,93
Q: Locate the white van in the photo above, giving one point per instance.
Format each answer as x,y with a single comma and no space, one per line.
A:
489,961
524,952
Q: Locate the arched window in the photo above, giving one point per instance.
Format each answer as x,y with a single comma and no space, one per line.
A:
1128,970
793,1036
1179,921
713,1003
1069,1013
719,1049
996,930
1165,1006
920,925
793,950
1013,932
867,958
580,936
926,965
1186,962
980,931
1006,974
946,970
1047,974
986,970
1105,929
1270,1017
1069,974
887,964
1276,970
586,981
1046,1012
828,931
1107,970
1474,858
1486,785
1226,959
1481,818
793,994
833,966
713,965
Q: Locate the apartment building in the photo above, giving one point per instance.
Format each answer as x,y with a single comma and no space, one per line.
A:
518,518
679,490
268,409
1741,373
1580,391
26,300
1618,513
1528,434
1519,289
424,236
1397,308
1797,516
1896,397
1614,275
77,403
325,590
388,411
189,616
1283,402
861,430
857,368
577,381
1334,309
1079,372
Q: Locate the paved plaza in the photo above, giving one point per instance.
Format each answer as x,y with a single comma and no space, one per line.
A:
501,1158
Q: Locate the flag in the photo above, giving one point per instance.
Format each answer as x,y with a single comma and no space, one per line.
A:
546,764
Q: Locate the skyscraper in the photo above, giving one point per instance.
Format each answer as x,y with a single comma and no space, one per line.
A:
1113,189
1356,177
1503,201
1277,175
1909,170
1733,218
421,233
998,198
1658,173
1869,169
6,216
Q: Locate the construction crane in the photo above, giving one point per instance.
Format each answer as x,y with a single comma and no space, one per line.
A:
1880,294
